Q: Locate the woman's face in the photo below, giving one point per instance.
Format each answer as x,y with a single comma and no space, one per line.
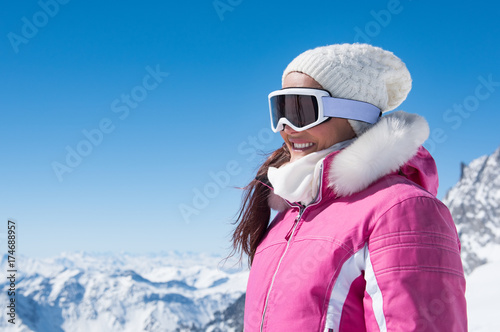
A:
320,137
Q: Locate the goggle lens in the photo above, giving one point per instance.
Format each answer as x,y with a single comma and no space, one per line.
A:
300,110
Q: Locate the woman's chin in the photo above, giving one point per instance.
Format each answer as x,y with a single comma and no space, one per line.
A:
297,156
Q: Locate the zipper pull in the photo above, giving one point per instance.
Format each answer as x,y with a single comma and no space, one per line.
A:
301,211
302,208
287,237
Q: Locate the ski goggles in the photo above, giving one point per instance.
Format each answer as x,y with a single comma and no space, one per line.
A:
303,108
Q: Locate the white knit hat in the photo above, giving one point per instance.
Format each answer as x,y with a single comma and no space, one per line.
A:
359,72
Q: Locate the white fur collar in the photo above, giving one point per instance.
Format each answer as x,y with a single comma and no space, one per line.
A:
381,150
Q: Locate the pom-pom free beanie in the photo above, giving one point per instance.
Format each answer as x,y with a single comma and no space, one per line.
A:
356,71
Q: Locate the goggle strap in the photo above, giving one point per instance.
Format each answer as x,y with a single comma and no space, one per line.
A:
350,109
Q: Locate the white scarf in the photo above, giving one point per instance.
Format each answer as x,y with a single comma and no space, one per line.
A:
298,181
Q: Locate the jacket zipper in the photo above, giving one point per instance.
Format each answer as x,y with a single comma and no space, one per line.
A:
302,208
289,235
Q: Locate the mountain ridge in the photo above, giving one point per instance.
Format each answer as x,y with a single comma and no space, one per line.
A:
85,292
474,203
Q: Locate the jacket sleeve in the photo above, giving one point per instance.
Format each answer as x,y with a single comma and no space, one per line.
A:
414,274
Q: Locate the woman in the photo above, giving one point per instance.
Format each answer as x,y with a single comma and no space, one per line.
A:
360,241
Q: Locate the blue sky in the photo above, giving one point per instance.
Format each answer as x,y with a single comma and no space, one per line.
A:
129,126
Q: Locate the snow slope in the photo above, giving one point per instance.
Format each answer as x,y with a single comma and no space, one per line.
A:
482,296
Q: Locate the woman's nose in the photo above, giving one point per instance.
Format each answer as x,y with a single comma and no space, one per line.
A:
289,130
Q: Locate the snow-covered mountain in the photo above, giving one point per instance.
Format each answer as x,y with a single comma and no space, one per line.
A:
474,203
88,292
230,319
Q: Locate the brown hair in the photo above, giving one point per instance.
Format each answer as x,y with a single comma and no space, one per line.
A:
254,214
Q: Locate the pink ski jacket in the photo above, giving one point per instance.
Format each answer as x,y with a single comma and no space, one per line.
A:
376,251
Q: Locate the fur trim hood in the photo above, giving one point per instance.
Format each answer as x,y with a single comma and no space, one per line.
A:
393,144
